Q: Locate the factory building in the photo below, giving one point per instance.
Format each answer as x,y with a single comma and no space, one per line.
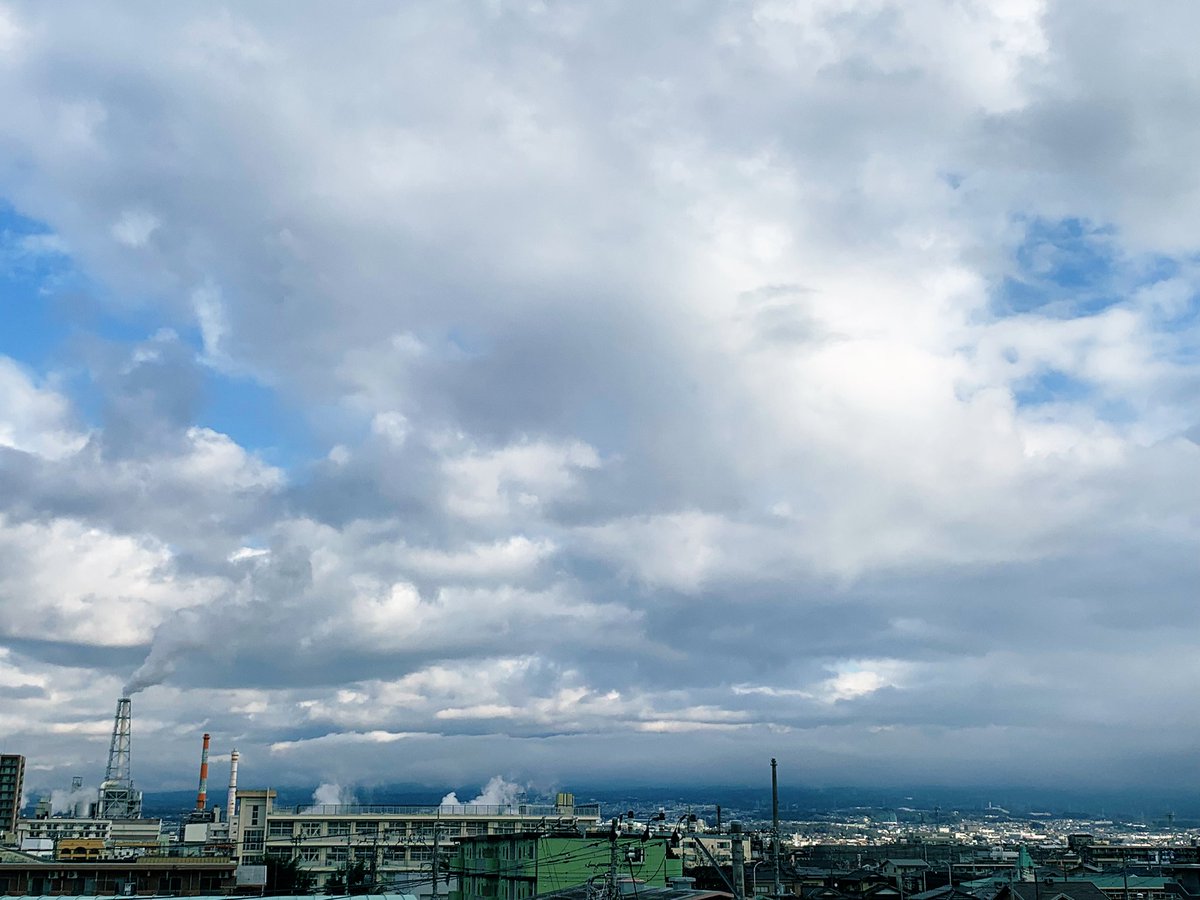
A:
12,782
108,827
400,847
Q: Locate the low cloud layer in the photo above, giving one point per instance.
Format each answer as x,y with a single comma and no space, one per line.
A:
600,394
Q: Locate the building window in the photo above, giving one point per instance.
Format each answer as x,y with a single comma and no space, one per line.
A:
310,829
335,855
279,829
252,840
339,828
310,854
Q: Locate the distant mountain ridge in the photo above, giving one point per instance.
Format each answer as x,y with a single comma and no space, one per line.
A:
1145,805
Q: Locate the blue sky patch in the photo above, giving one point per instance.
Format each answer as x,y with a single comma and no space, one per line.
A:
48,305
256,417
1066,269
1051,386
33,269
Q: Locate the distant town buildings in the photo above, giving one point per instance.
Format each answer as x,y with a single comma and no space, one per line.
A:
98,843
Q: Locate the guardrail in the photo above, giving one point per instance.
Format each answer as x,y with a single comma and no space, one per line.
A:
519,810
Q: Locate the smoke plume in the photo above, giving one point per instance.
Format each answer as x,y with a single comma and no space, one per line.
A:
497,792
63,801
329,794
270,583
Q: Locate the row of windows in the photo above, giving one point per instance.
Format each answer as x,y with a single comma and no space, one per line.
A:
500,888
252,840
425,830
337,856
519,850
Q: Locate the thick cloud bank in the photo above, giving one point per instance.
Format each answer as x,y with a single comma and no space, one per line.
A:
625,391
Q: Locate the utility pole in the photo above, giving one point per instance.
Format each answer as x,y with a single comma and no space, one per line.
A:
739,860
613,893
435,861
778,887
375,859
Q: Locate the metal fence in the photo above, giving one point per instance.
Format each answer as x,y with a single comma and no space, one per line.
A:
527,810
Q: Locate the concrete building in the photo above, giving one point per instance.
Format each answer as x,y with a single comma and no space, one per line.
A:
398,845
719,847
520,866
121,839
62,828
150,876
12,782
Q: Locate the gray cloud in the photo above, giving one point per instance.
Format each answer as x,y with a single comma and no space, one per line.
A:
659,392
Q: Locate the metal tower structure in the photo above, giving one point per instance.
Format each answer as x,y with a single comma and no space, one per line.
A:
118,799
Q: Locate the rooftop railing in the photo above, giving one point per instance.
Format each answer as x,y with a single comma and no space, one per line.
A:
517,810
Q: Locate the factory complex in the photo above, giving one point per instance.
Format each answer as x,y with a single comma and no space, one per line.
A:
102,845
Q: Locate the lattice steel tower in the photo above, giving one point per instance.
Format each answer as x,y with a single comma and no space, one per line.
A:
118,799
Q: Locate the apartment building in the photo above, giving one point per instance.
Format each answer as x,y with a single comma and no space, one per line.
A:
400,847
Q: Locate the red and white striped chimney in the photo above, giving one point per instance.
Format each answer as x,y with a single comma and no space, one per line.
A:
202,791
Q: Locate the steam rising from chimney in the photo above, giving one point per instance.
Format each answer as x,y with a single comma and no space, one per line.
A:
497,792
329,794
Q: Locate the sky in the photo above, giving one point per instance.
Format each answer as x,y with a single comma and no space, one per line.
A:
609,393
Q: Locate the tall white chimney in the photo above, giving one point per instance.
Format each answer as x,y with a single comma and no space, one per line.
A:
231,801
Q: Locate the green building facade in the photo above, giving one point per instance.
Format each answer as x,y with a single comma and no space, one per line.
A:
519,866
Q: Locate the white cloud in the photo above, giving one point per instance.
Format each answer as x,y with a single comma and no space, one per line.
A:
87,586
11,35
521,476
213,458
210,316
33,418
134,227
683,387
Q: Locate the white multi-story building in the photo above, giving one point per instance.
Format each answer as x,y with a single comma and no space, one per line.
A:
719,847
122,838
400,846
62,828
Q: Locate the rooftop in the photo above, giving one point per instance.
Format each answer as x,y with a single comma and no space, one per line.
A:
526,810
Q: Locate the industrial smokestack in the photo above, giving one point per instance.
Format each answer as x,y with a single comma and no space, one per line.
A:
231,802
202,791
118,799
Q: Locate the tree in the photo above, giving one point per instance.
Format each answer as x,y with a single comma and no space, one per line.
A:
284,876
355,875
